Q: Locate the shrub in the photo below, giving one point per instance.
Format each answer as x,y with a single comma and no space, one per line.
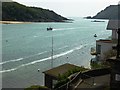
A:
63,79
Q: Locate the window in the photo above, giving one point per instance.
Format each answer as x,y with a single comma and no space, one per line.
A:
99,49
117,77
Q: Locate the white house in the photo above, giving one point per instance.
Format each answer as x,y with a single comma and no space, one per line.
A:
103,47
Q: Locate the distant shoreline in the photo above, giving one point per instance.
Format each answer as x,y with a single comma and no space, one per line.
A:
12,22
21,22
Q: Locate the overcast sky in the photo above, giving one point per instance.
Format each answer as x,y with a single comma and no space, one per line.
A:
69,8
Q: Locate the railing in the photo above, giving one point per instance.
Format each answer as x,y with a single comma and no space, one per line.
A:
67,85
82,76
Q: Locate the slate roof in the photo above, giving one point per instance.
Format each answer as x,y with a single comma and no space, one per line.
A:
113,25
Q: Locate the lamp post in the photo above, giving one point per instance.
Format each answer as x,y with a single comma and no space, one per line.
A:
52,53
50,29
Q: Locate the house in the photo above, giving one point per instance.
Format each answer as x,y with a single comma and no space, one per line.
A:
102,48
52,75
115,61
106,47
114,25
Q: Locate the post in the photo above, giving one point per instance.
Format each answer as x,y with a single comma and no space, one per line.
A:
52,53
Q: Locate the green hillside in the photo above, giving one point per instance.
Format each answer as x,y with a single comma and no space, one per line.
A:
13,11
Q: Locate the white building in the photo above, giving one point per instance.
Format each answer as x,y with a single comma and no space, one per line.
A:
102,48
105,47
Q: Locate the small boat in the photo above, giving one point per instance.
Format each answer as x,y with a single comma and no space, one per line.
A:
50,28
95,35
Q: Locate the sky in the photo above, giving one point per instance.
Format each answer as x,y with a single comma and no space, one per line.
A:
71,8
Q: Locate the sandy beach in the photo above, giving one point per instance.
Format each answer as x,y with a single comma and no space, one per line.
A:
12,22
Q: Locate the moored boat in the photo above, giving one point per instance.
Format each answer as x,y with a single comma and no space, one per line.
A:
50,28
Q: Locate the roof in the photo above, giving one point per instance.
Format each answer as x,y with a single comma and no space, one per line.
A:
113,25
60,70
104,41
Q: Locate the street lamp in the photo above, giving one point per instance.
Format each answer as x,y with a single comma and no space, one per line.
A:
50,29
52,53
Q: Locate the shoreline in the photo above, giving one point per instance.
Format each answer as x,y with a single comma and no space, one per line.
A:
13,22
22,22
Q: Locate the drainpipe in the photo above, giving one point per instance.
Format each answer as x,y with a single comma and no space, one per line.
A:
118,45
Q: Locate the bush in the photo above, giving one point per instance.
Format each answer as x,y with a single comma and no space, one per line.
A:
63,79
60,83
97,65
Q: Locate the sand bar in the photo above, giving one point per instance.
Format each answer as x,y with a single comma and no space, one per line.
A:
12,22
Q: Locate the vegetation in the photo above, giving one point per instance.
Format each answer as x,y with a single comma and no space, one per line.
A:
63,79
37,87
70,72
13,11
110,53
103,64
98,65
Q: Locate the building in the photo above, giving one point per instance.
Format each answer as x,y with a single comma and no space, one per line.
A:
102,49
115,61
106,47
52,75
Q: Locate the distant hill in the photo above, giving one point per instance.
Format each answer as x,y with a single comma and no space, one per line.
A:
110,12
13,11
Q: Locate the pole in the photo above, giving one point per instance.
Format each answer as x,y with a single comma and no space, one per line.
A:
52,53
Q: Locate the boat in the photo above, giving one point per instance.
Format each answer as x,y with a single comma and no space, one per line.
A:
50,28
95,35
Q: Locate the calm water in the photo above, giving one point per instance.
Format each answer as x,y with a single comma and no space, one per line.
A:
27,48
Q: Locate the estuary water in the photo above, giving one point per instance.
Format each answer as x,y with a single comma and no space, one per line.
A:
27,47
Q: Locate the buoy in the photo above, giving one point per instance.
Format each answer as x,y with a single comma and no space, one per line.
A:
95,35
38,70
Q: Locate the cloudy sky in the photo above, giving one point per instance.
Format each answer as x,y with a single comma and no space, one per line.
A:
69,8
